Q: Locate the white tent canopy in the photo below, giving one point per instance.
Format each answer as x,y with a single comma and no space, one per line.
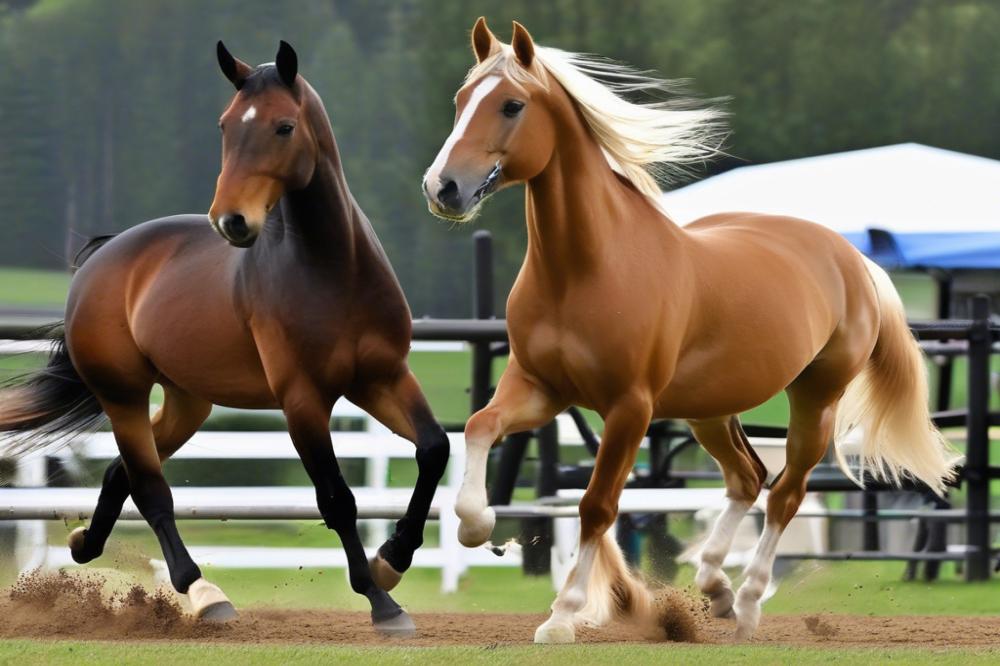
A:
905,188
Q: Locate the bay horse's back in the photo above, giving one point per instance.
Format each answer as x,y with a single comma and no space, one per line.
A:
158,303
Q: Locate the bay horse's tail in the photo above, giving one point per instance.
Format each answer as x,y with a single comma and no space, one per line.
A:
887,403
50,405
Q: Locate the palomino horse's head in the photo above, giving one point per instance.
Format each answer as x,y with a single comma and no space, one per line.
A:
268,147
503,132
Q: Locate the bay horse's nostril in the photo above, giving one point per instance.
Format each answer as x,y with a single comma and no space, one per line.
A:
448,195
234,227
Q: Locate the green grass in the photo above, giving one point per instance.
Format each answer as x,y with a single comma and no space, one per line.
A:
73,653
33,288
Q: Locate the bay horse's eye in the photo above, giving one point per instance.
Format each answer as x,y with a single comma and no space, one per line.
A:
512,107
284,130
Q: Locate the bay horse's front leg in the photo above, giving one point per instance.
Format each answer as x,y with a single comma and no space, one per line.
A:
519,404
400,405
309,426
600,564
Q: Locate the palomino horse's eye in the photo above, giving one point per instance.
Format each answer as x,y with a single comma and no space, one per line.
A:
512,108
284,130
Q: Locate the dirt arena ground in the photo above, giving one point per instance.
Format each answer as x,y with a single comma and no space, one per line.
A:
57,606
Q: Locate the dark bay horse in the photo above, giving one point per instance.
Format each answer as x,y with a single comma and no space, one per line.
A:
618,309
297,309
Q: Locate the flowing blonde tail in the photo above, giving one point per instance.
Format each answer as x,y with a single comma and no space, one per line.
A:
613,592
887,404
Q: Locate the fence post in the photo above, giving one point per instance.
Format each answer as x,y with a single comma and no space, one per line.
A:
977,455
482,308
537,547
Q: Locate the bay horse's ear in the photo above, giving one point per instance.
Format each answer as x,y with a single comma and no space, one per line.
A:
484,44
235,69
287,63
524,47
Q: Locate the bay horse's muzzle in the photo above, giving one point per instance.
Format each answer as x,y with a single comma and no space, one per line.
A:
234,228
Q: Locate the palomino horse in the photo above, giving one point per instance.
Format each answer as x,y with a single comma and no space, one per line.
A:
618,309
297,309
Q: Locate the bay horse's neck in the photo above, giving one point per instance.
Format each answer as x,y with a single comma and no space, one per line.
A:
577,208
322,220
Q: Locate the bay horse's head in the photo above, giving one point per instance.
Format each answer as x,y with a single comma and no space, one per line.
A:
503,132
268,147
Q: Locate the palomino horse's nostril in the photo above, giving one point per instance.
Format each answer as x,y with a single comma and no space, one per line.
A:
448,195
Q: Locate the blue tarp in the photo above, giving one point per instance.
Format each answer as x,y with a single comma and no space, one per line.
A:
921,251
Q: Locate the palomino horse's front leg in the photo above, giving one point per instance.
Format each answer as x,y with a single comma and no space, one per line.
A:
809,432
400,405
519,404
624,427
134,435
309,426
744,475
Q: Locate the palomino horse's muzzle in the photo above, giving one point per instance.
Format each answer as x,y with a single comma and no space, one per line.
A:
449,200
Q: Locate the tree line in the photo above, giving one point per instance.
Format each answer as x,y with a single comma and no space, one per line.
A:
108,108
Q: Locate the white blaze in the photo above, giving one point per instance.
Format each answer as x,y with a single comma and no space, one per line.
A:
483,88
249,114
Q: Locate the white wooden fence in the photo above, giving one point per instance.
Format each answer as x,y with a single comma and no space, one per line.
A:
32,502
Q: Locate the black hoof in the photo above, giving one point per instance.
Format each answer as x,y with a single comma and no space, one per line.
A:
222,611
400,626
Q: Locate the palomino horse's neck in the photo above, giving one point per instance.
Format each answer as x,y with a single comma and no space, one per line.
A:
578,207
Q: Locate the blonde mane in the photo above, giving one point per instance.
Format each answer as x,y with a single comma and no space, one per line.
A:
646,143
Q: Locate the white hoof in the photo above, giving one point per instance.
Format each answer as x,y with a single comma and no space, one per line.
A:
383,574
209,602
474,532
722,603
747,617
555,632
76,539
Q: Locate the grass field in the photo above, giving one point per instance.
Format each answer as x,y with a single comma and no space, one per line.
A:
74,653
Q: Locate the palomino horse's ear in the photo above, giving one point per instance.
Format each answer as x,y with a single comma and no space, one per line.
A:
287,63
524,47
235,69
484,44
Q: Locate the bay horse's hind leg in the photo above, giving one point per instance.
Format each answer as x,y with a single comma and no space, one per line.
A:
744,475
134,433
174,423
309,426
400,405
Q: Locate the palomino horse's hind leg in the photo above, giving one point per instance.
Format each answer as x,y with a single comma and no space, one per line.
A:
724,439
173,424
809,431
402,408
518,404
625,426
134,434
309,427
